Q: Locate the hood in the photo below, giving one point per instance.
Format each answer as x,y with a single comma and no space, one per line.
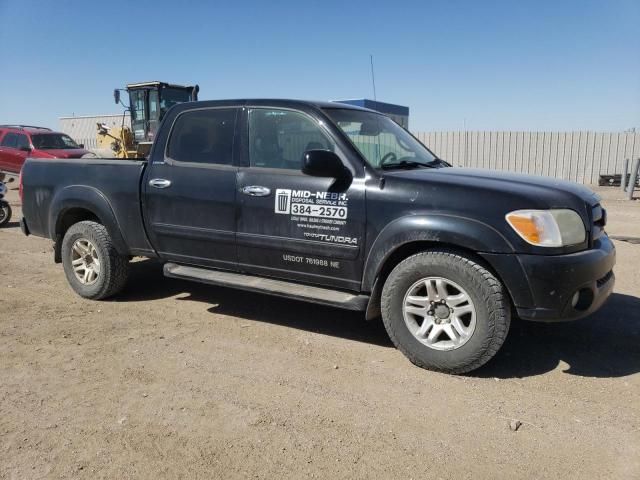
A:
66,152
552,191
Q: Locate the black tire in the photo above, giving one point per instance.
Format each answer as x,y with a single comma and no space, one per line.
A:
492,307
114,268
5,213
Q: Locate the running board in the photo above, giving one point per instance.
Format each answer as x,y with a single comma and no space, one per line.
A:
269,286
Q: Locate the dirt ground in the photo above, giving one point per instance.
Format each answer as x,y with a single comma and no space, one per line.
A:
179,380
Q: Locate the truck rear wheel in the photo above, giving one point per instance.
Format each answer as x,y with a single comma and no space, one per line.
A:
93,267
445,312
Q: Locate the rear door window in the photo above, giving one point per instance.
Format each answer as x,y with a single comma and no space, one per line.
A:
203,136
10,140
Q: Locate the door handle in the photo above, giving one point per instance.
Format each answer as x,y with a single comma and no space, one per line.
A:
160,183
256,191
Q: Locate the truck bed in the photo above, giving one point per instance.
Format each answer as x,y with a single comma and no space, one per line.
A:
54,185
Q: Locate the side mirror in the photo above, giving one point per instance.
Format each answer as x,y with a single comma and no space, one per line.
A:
323,163
81,145
26,148
116,95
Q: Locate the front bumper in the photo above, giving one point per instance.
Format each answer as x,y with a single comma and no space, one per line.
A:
569,287
543,286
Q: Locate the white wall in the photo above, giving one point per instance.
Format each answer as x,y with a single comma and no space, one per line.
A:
84,129
577,156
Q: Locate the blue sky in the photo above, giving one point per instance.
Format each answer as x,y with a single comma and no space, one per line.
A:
486,65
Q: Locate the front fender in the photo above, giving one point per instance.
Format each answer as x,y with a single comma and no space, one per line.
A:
443,229
90,199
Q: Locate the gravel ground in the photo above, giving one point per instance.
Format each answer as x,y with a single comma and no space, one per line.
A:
180,380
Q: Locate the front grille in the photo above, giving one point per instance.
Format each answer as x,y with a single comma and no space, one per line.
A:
600,282
599,216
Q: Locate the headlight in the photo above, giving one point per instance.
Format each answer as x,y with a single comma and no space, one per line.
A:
548,228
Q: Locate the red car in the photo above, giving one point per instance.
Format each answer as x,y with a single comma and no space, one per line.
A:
17,142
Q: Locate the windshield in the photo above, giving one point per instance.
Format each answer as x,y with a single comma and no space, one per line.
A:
53,141
380,140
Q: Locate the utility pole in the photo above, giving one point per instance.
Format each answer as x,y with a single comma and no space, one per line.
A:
373,78
623,178
632,180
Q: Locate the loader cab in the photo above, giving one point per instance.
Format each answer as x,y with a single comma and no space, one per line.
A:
149,101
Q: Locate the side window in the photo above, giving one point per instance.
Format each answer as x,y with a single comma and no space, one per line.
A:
10,140
278,138
153,105
22,141
203,136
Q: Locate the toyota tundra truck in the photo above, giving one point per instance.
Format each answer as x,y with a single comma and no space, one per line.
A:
336,205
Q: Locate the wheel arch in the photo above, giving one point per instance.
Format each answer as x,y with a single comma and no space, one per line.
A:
410,235
79,203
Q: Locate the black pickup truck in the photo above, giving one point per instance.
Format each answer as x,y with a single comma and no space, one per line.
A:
331,204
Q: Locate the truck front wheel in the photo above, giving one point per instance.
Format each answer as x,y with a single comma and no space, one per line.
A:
445,312
93,267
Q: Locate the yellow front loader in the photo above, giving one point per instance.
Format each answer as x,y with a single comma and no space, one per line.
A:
148,102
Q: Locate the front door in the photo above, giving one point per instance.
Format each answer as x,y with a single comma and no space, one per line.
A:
291,225
190,190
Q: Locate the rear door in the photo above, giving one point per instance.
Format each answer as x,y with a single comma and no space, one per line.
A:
291,225
190,190
13,151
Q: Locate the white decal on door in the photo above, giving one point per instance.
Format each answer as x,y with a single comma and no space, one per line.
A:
311,204
316,215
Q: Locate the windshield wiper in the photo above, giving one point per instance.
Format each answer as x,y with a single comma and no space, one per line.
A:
405,164
440,161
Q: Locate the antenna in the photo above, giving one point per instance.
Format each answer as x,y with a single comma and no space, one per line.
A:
373,78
